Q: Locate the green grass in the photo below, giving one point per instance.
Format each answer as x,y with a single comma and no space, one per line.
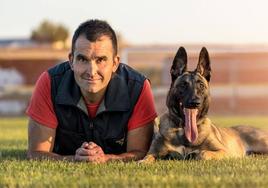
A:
16,171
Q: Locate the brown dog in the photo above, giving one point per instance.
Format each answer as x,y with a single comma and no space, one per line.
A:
186,132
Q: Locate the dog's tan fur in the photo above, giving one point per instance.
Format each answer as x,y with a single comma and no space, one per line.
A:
212,142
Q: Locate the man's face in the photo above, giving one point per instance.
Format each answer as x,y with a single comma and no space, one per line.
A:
93,63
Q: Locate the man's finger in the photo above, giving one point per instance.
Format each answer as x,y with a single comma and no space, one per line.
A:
85,145
94,151
81,158
82,152
92,145
97,159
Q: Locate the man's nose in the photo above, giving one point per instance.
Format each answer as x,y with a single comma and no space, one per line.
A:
92,68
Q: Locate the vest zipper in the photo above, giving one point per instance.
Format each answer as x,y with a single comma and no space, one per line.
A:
91,126
91,129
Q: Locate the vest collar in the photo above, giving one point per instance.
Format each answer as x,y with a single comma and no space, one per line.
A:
68,91
116,96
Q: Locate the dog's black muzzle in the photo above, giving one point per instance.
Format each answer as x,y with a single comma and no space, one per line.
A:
194,103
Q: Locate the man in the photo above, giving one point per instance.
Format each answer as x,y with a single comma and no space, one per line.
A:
91,108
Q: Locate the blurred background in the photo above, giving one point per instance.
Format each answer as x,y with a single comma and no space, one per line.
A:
36,35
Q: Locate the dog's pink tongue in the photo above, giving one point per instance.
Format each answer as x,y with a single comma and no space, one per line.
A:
190,128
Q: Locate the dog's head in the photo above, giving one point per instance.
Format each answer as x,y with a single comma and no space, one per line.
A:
188,97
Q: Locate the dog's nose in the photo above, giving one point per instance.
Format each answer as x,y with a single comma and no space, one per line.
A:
194,103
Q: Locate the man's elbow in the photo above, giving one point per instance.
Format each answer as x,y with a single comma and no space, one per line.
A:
34,155
30,155
139,154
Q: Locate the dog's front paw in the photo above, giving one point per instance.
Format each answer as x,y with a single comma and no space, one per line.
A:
147,159
173,156
192,155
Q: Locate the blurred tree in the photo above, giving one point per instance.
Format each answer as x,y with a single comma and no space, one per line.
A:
122,43
50,32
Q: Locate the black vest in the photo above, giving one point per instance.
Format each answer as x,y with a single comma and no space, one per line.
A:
109,128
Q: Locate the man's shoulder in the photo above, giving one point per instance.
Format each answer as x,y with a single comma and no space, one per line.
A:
59,69
129,73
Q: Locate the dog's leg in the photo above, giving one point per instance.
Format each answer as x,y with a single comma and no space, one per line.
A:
207,155
156,150
149,158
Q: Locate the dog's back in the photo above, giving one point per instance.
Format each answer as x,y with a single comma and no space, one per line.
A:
255,140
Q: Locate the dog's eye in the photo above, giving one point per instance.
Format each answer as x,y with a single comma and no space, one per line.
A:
201,85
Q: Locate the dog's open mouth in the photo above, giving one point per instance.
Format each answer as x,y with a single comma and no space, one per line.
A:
190,128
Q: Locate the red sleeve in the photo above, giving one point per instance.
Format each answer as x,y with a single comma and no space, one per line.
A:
41,108
144,110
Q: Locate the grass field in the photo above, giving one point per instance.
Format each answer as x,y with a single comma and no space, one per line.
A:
16,171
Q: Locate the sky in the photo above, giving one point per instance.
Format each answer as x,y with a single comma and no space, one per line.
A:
146,21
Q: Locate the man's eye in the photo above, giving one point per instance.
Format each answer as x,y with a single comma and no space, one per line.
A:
81,59
101,59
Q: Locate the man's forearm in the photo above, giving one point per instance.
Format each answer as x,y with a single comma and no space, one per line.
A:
128,156
125,157
40,155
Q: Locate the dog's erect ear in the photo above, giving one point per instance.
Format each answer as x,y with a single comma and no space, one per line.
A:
179,65
203,66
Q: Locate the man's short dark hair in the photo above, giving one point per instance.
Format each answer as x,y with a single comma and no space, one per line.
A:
93,30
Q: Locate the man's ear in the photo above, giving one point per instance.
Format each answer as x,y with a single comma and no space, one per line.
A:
116,63
71,58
